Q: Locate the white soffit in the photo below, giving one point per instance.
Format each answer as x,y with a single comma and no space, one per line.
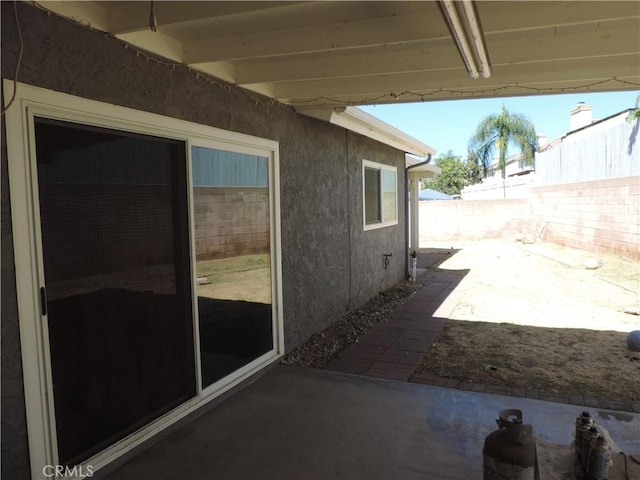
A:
414,164
358,121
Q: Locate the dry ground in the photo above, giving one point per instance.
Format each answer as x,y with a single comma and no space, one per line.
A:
245,277
533,316
544,285
527,316
566,361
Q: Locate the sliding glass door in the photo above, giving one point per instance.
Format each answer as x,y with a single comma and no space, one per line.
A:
117,293
147,269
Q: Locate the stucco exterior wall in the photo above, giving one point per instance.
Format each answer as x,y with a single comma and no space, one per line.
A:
368,272
329,264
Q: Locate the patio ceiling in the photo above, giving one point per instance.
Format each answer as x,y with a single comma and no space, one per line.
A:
319,54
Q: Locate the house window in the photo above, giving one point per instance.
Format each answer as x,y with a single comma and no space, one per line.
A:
380,195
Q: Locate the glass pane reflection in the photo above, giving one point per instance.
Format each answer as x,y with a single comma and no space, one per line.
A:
389,204
233,270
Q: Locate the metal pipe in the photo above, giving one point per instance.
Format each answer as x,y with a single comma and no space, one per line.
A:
406,207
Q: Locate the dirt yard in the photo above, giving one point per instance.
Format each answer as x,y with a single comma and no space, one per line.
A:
529,316
544,285
533,316
246,277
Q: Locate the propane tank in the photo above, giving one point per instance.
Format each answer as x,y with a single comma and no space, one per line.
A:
587,438
599,459
583,422
509,453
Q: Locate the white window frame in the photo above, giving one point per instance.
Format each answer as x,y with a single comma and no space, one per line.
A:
384,222
33,101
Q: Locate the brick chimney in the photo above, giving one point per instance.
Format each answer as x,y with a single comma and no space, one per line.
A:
580,116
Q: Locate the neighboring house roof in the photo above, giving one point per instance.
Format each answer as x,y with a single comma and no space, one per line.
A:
596,150
508,161
553,143
430,194
519,173
557,141
597,122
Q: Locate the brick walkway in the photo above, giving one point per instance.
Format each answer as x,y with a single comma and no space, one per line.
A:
393,348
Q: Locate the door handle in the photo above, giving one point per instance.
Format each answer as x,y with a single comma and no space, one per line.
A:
43,300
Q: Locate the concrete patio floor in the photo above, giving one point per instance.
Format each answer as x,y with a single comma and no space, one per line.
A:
299,423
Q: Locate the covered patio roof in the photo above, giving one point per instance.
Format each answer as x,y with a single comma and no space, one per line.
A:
337,54
325,58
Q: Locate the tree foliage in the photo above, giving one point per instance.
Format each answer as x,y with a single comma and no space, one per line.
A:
497,132
634,114
455,175
475,172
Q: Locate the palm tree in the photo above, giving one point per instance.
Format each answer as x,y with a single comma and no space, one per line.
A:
498,132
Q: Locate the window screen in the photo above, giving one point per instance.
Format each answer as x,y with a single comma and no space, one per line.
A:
113,210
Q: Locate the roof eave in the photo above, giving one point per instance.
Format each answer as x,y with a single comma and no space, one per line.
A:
361,122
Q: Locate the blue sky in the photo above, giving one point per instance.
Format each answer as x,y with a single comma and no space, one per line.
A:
448,125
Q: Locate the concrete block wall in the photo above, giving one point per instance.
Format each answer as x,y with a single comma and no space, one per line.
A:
231,221
598,215
471,219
